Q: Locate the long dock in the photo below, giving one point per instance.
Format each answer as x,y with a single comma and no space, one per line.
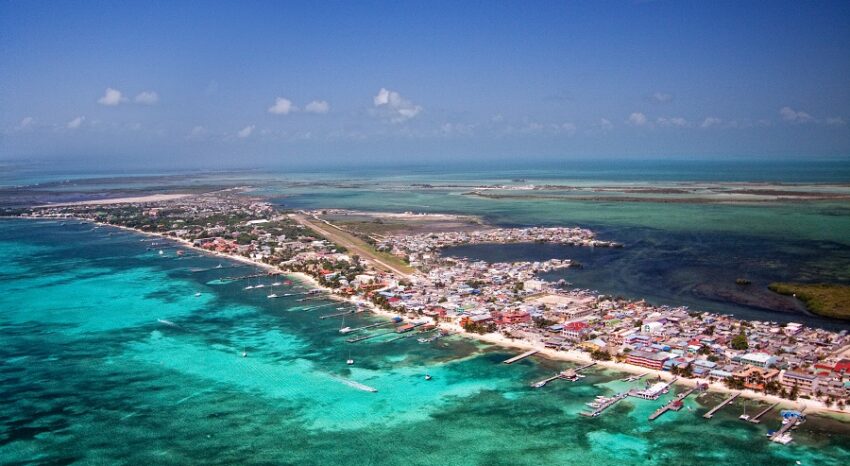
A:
605,405
717,408
521,356
366,337
675,404
336,314
570,374
366,327
253,275
755,419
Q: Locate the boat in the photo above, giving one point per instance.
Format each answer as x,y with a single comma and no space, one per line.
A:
276,284
197,294
249,287
345,330
244,354
260,286
218,266
784,439
273,295
161,252
349,361
427,376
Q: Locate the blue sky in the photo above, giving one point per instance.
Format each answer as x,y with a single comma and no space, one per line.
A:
217,84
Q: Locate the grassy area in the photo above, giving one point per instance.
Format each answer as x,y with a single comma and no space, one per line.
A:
824,299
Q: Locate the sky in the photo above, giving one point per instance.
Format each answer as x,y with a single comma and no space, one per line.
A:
251,83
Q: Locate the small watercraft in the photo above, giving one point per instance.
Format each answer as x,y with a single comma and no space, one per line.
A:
249,287
161,252
349,362
273,295
427,376
197,294
244,354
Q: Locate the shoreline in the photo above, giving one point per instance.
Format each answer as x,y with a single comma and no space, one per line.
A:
811,406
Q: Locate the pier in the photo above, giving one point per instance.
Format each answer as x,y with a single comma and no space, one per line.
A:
755,419
521,356
570,374
675,404
253,275
633,378
717,408
366,327
781,435
605,404
336,314
366,337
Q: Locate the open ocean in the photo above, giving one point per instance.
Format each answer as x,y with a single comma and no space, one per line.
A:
110,358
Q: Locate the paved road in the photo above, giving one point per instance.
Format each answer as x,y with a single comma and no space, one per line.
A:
353,244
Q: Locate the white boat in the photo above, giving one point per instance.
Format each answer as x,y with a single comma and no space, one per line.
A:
349,362
272,296
197,294
244,354
249,287
277,284
260,286
345,330
161,252
784,439
428,377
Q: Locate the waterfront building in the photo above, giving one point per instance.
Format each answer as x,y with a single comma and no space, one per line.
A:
647,359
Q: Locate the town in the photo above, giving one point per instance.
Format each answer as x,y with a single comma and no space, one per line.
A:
503,300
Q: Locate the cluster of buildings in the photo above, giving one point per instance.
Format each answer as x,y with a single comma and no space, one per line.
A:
785,359
422,249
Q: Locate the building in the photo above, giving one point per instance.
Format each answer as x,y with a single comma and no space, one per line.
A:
758,359
647,359
805,383
651,393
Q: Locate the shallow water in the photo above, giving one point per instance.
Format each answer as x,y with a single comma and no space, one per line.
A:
109,357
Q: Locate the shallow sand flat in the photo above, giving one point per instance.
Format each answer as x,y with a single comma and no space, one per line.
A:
123,200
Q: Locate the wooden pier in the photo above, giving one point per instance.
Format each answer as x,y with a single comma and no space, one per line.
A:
755,419
337,314
717,408
366,337
521,356
570,374
675,404
607,404
253,275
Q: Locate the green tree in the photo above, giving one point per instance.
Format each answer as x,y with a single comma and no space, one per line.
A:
739,341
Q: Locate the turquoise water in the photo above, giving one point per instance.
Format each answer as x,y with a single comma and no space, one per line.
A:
91,375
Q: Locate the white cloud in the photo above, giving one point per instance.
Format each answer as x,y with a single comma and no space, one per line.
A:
245,132
147,98
198,132
76,122
25,123
676,122
317,106
394,107
605,124
789,114
710,121
835,121
111,97
568,128
282,107
662,97
637,119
